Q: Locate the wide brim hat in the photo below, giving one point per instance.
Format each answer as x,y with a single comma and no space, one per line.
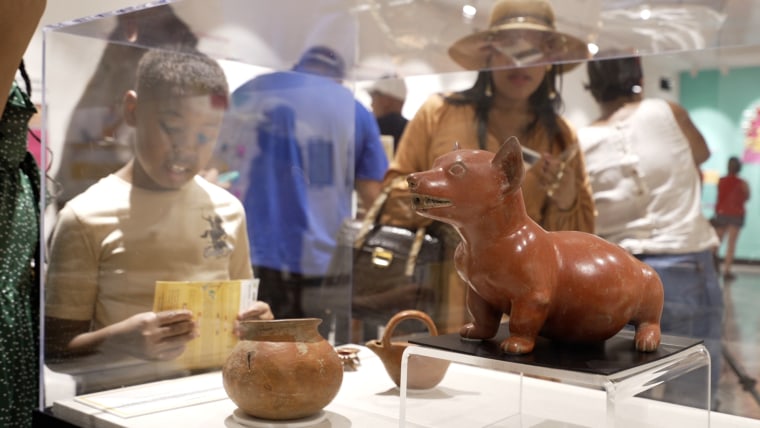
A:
540,43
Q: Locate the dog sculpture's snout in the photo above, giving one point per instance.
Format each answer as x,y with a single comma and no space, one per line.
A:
412,180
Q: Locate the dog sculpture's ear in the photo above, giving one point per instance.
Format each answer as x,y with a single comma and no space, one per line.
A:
510,161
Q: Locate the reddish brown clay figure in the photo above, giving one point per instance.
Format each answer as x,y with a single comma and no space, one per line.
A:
567,286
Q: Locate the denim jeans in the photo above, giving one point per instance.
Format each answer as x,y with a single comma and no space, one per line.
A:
693,305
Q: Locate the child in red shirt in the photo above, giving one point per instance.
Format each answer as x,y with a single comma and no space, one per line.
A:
733,192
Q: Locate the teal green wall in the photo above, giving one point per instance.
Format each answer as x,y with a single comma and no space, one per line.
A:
716,103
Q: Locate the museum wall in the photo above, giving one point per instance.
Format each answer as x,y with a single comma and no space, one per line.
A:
717,98
724,105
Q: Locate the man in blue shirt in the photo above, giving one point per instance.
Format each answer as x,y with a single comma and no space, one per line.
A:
301,144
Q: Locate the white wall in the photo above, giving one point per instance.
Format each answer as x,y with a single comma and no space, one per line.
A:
580,108
69,87
58,11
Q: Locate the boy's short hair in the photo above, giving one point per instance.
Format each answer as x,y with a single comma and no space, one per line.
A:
180,72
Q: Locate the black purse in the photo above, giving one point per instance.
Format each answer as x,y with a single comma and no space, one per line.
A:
389,268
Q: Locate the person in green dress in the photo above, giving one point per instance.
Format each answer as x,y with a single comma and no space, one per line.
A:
19,224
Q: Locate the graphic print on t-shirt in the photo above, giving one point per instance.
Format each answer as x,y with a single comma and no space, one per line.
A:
219,247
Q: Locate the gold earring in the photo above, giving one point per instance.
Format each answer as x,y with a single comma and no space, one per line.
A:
488,91
552,94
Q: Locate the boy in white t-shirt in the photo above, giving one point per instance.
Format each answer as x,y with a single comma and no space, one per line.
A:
154,219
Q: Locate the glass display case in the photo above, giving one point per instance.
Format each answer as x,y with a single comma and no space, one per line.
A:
201,184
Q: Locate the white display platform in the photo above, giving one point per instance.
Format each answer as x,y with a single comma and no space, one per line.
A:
467,397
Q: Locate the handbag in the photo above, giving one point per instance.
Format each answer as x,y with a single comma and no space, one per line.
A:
389,268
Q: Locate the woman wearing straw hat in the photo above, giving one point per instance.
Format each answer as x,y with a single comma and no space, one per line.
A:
512,96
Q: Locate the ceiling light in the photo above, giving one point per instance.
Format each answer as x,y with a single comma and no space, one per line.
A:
469,11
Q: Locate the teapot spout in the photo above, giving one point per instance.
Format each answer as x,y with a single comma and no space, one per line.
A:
376,346
390,356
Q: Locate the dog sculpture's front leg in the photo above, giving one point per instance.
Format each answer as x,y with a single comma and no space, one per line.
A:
525,322
485,318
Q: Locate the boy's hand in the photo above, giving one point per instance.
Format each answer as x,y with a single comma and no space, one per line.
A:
155,335
258,311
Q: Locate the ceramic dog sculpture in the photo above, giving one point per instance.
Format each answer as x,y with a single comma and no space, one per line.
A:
568,286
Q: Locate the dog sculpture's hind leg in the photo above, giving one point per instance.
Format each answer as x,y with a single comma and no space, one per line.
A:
647,320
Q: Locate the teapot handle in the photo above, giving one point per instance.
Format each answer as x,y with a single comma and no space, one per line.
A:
405,315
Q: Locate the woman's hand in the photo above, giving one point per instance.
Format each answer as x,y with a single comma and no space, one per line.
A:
154,335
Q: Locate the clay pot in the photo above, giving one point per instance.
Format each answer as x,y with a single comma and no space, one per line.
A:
422,372
282,369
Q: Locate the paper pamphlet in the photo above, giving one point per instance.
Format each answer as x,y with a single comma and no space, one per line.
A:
215,305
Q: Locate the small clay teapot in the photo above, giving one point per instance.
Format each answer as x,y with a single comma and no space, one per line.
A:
422,372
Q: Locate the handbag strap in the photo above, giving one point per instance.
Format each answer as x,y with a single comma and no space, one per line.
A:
419,236
372,214
370,219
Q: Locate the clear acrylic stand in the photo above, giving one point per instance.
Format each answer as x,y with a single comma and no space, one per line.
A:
617,370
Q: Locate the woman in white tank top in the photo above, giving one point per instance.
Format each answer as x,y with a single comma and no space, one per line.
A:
643,157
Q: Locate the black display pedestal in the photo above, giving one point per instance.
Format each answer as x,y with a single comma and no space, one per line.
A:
613,367
45,419
604,358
